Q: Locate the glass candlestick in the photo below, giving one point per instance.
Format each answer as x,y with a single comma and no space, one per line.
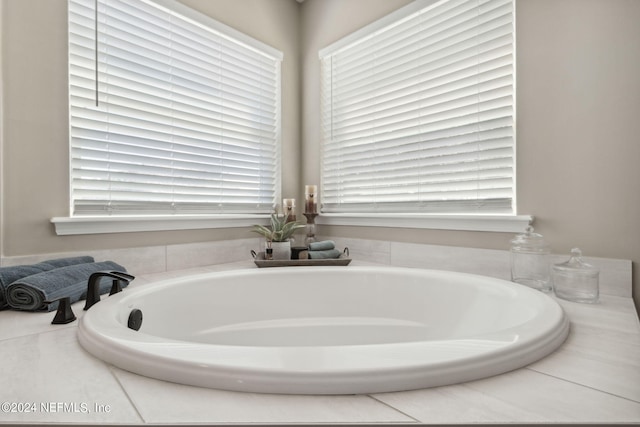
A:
310,228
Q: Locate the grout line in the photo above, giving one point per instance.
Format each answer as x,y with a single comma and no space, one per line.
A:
582,385
124,390
415,420
166,258
48,331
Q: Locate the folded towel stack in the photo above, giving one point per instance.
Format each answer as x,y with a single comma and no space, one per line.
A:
328,254
8,275
325,245
30,293
325,249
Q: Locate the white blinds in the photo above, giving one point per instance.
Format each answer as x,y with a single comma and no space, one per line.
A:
419,115
185,118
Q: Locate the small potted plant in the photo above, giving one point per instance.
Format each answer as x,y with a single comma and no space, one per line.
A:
278,235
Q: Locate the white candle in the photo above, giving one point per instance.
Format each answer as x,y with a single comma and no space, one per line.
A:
288,205
311,199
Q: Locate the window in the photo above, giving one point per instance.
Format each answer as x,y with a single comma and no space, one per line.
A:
418,112
170,112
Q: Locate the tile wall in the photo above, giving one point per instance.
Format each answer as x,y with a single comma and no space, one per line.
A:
615,275
158,259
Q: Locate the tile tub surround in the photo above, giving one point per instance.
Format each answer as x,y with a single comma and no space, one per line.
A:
615,275
158,259
593,378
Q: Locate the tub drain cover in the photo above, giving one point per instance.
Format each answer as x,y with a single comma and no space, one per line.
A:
135,319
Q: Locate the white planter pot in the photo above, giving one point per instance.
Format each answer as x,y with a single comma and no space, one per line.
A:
281,250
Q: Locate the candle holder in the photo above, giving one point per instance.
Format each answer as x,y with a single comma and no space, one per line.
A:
311,227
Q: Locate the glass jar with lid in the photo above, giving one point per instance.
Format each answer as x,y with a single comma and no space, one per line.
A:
530,261
576,280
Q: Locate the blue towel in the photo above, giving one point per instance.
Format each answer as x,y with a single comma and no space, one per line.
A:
325,245
329,254
31,292
8,275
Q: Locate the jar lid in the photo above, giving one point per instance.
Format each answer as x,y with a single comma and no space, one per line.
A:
576,265
529,239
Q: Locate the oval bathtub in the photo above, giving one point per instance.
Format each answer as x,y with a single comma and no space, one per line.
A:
325,330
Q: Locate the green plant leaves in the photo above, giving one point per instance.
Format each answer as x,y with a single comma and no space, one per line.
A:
280,230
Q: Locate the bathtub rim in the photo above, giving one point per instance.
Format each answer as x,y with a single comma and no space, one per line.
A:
119,352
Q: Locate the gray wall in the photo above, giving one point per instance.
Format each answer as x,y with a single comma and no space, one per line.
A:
578,122
35,137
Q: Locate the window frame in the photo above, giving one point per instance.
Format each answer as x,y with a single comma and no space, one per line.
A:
472,221
151,221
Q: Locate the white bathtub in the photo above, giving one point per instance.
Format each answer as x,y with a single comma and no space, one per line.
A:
325,330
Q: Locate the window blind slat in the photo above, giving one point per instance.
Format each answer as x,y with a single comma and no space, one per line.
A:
449,21
468,75
418,116
428,51
187,119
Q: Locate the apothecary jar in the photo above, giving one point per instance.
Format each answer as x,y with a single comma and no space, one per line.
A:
530,261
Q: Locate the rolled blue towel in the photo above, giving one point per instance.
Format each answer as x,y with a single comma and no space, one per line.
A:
325,245
31,292
8,275
328,254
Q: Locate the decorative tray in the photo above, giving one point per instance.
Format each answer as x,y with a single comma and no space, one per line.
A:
259,260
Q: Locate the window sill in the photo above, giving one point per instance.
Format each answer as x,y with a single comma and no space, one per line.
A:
65,226
494,223
127,224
